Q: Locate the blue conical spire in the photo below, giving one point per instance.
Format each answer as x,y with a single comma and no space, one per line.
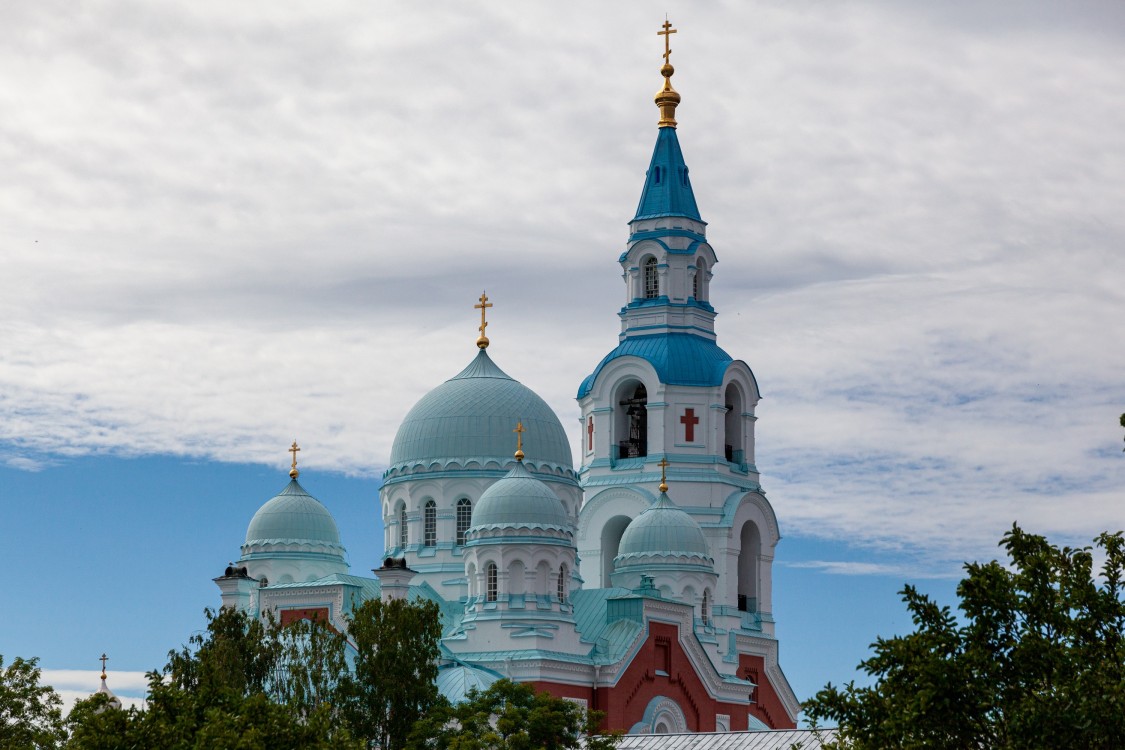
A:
667,190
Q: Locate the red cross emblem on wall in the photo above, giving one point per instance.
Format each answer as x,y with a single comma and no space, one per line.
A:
689,421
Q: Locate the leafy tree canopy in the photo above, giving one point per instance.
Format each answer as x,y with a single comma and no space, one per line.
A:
1036,659
30,713
511,716
392,685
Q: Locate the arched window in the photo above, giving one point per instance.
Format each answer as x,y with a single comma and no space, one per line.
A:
562,584
464,518
733,424
749,558
705,607
429,524
632,421
699,278
652,281
490,583
402,527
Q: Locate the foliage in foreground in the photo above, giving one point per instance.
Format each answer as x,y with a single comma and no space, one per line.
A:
30,713
1036,660
247,683
511,716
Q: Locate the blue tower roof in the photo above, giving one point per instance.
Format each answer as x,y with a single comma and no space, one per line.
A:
678,358
667,190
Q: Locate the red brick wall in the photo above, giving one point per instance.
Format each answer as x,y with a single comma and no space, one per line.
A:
290,616
625,702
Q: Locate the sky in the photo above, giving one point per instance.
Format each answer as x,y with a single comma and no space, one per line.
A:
225,227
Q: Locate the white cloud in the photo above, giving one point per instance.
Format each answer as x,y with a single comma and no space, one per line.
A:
226,228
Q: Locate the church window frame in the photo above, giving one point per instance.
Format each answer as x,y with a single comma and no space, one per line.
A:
705,607
464,519
650,278
491,582
429,524
403,527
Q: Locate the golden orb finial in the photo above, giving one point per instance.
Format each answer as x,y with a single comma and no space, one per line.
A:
104,659
484,304
293,469
663,475
667,98
520,430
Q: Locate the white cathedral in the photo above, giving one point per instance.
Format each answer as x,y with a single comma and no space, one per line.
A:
637,584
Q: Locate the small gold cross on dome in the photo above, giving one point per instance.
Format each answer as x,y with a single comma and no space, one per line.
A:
103,660
483,305
520,430
663,476
293,468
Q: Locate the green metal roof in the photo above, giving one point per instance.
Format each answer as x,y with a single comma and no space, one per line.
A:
457,680
293,516
470,418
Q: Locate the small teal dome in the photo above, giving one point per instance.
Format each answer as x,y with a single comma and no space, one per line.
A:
457,681
470,418
519,500
662,530
293,517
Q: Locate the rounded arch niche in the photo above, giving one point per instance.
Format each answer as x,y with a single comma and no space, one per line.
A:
749,564
630,409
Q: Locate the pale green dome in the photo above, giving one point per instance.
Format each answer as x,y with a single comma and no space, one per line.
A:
519,500
457,681
662,530
293,517
469,419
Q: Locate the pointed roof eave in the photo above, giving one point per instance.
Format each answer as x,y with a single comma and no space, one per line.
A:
667,191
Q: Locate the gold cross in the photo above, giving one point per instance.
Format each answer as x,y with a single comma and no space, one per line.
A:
104,659
482,342
667,39
663,477
520,430
293,469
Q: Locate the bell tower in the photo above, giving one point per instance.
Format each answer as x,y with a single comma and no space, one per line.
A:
669,392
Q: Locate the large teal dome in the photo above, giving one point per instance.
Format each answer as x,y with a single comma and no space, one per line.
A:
469,419
519,500
293,517
662,530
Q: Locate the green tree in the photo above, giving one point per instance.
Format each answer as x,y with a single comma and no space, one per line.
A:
243,683
1036,659
511,716
30,713
392,685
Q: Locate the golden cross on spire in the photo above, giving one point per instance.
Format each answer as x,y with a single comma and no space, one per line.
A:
668,31
293,469
663,475
520,430
484,304
667,99
104,659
